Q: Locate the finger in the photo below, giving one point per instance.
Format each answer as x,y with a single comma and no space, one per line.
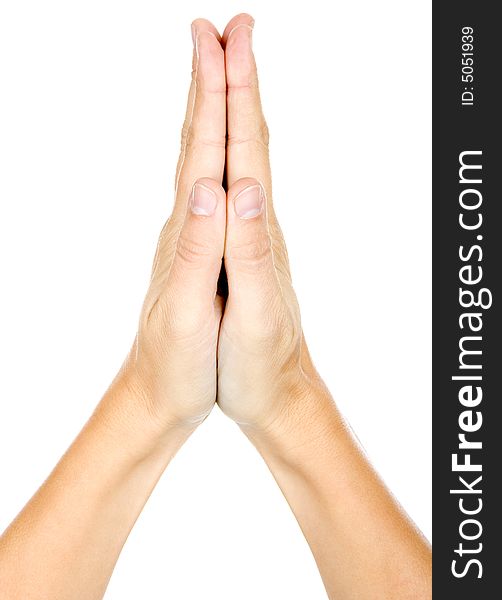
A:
253,281
204,131
197,25
196,264
188,261
247,144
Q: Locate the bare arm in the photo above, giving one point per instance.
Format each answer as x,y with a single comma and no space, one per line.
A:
66,541
365,546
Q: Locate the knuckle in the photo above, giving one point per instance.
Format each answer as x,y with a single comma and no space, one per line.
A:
252,134
275,330
254,253
281,259
184,134
171,318
210,88
196,137
192,252
165,246
183,325
155,317
167,237
193,137
264,133
281,328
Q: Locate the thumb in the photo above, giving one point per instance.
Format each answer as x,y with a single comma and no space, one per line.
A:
253,283
196,263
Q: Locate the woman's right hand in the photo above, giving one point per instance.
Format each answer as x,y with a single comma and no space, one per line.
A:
265,374
364,544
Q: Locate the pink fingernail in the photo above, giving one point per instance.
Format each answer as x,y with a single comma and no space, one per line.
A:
249,203
204,200
242,34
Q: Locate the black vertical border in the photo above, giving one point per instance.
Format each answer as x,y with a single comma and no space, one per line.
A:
457,128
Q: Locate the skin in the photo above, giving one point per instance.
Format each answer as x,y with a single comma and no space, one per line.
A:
194,347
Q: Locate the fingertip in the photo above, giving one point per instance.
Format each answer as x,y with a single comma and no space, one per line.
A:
211,62
209,40
239,58
240,19
199,25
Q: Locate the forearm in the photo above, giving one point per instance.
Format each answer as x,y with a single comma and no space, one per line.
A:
364,544
64,544
66,541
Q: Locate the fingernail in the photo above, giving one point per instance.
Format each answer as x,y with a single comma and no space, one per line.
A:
246,31
203,200
249,202
194,34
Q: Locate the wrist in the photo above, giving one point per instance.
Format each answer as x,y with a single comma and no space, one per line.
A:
126,413
308,423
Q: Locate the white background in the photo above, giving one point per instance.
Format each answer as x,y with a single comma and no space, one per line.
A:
91,104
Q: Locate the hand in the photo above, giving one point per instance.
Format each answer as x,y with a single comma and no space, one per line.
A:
173,361
65,542
263,365
82,514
